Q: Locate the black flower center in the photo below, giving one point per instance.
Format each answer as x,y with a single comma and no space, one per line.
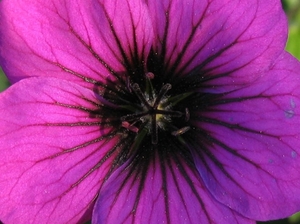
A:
155,112
150,109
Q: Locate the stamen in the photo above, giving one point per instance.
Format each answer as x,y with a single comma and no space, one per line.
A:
181,131
128,84
131,117
161,94
130,127
137,90
149,88
187,114
170,113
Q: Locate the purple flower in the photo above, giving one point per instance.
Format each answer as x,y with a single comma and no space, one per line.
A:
148,111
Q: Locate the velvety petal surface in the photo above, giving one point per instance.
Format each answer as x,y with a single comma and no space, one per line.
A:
159,191
89,41
223,42
51,149
247,145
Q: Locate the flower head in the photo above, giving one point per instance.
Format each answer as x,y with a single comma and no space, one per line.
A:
161,111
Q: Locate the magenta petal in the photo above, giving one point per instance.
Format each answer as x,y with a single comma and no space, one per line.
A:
88,41
228,39
51,150
156,190
248,144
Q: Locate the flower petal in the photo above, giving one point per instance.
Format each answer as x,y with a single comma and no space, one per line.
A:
158,188
248,144
223,42
88,41
51,149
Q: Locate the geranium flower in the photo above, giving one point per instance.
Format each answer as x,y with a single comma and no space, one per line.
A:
161,111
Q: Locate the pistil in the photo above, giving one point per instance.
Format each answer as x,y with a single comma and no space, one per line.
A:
156,110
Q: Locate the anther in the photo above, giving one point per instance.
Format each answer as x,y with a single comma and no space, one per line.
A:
181,131
187,114
149,75
130,127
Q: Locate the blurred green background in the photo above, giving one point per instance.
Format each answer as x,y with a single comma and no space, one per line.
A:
292,8
3,81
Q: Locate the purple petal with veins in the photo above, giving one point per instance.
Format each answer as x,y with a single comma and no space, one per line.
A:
225,43
167,189
84,43
50,162
261,163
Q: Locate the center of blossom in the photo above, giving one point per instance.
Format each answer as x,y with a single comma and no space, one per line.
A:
155,112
